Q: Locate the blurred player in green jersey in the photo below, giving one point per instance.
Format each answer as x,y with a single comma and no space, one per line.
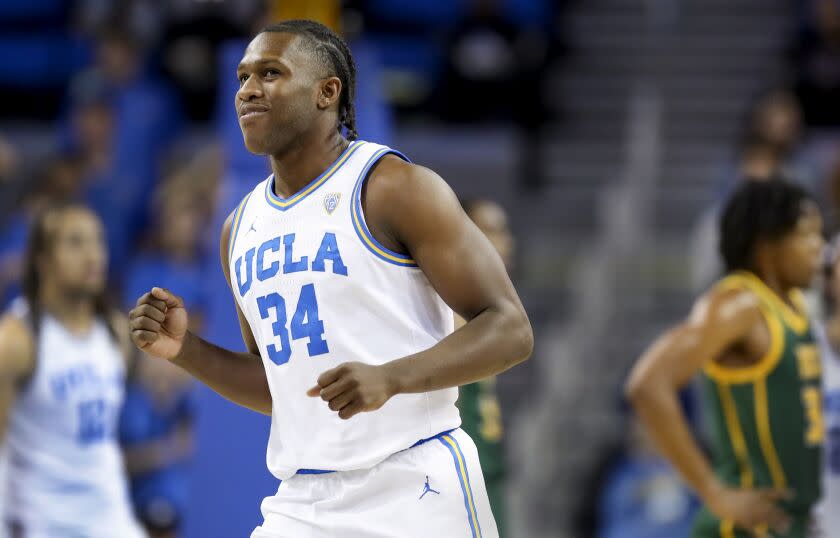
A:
750,339
481,414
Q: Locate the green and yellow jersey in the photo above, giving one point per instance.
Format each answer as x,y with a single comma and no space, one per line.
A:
481,418
766,419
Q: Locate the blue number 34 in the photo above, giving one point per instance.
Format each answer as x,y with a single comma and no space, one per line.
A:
305,324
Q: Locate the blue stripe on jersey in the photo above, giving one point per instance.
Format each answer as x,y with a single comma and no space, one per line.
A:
313,471
463,477
418,443
285,203
234,227
367,239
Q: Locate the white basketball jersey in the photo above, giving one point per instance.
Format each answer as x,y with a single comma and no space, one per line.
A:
318,290
829,514
66,475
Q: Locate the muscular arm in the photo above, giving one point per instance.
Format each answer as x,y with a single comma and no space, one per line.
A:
239,377
416,208
718,321
410,208
17,358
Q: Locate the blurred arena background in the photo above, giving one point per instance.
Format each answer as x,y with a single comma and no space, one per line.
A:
608,129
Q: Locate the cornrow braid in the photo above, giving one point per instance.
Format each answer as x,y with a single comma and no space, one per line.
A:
335,56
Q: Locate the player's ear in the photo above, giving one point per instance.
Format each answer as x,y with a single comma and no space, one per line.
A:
329,92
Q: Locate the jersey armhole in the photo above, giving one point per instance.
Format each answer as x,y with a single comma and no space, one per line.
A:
358,217
750,374
234,225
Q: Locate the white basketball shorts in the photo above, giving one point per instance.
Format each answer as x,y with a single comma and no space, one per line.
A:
434,489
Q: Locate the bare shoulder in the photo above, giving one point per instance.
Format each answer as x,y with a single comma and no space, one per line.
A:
399,194
17,346
394,179
736,309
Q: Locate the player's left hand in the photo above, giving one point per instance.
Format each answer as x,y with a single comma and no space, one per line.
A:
354,387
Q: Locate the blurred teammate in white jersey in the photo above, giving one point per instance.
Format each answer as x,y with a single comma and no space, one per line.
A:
828,337
346,264
62,375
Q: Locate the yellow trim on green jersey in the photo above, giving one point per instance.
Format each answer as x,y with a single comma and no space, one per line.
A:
796,318
765,436
760,370
736,434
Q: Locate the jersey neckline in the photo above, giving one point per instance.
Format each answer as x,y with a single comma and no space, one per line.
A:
285,203
794,315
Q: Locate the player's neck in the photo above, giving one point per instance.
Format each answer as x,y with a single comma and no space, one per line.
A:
76,314
305,160
772,281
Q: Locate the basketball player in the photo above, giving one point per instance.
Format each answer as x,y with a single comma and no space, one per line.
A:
829,341
62,374
344,264
750,338
481,414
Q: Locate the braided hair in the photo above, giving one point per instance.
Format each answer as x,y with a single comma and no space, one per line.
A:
334,55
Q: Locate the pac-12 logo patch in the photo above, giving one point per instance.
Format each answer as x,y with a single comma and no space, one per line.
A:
331,201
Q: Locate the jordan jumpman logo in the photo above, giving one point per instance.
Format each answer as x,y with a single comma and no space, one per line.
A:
428,489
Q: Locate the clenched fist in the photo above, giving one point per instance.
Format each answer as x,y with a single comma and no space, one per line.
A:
354,387
159,323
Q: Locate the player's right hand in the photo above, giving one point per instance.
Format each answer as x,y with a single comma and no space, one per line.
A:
159,323
751,509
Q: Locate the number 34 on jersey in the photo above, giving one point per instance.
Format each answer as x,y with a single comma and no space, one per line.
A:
305,322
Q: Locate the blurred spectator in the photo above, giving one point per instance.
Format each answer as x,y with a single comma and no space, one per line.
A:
827,334
9,161
158,415
772,133
121,118
817,60
173,256
481,414
190,50
776,120
830,197
488,51
11,184
643,497
757,161
112,191
57,182
156,430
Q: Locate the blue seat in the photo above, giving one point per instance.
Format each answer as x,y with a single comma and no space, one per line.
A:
528,12
431,13
13,10
39,60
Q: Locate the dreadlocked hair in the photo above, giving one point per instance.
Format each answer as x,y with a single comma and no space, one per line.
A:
41,240
758,210
335,56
